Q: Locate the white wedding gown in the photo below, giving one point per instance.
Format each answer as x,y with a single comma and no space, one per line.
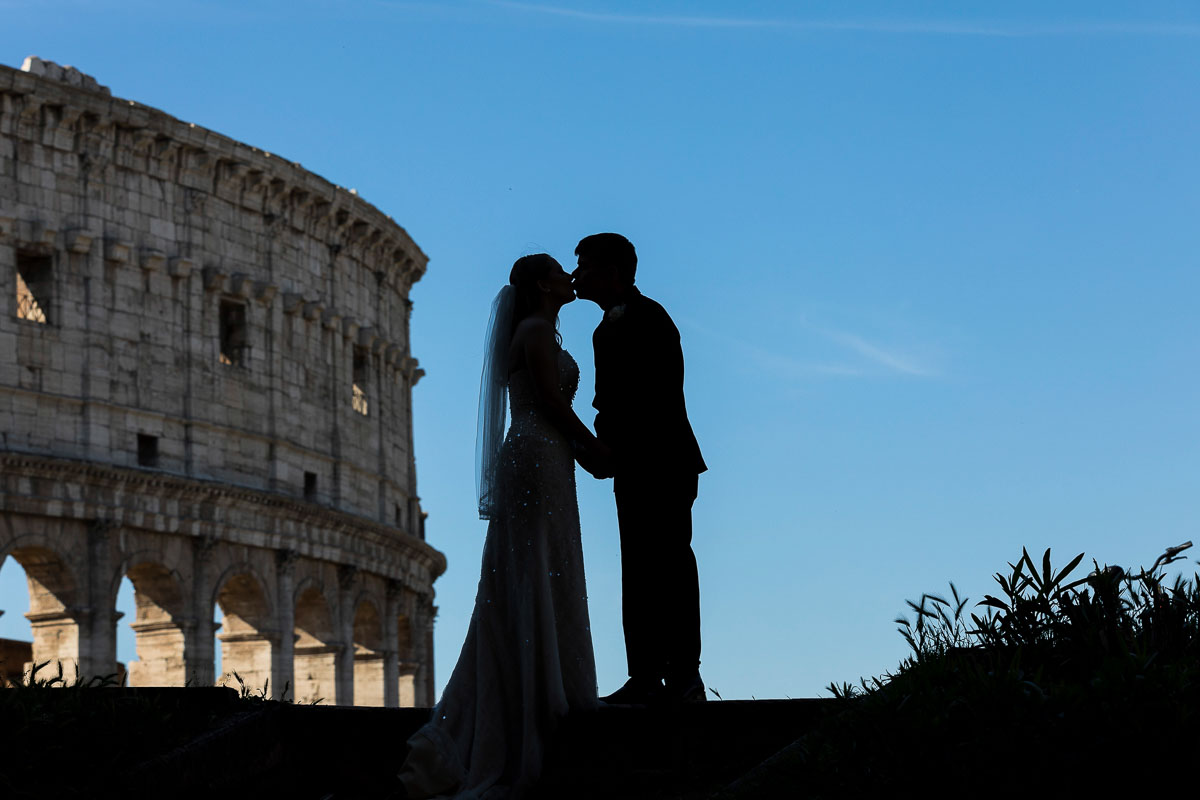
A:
528,657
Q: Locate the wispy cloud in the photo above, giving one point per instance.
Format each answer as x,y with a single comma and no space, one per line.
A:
886,26
895,362
791,367
854,358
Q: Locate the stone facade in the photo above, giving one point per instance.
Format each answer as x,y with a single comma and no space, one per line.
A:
205,386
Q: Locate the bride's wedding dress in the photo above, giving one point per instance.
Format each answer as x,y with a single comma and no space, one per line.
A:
528,656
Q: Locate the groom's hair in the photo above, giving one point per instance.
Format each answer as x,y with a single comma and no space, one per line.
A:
611,248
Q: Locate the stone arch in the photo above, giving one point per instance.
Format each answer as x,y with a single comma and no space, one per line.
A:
245,591
314,612
368,625
404,637
52,585
316,650
160,624
368,654
53,603
248,639
161,578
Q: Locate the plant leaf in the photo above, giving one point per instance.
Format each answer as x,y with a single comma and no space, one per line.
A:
1068,568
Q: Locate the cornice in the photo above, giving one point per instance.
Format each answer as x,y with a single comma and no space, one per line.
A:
288,514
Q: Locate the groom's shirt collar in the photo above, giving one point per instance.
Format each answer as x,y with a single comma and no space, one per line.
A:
631,296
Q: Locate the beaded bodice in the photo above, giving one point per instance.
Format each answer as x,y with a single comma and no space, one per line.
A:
521,396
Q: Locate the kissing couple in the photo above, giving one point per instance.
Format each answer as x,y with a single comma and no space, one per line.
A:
527,659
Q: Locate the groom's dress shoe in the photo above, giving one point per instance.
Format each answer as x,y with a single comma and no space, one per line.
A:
635,693
689,690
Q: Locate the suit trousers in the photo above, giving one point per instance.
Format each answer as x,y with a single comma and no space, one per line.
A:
660,588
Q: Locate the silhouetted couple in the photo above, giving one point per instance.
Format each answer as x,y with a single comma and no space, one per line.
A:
527,659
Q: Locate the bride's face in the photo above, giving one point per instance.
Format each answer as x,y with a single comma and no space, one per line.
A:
558,284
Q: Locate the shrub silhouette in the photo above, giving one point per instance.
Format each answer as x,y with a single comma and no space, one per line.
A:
1054,684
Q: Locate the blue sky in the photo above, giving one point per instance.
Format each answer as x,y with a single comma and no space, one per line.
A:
935,269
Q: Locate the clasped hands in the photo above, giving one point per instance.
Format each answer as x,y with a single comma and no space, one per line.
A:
595,457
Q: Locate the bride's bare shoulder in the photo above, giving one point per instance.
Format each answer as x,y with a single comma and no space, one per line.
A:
532,329
533,323
533,338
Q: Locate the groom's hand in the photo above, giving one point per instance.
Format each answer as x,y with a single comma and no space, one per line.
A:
587,461
596,459
603,461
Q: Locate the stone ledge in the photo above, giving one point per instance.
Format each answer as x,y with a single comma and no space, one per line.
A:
613,752
282,521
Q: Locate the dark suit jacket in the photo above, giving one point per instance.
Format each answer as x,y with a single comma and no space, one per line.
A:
639,392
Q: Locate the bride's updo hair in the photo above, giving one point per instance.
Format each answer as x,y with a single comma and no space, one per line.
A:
526,272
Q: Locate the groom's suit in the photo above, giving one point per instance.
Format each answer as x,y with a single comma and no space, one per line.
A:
641,416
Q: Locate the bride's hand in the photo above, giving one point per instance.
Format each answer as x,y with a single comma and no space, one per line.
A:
604,456
596,458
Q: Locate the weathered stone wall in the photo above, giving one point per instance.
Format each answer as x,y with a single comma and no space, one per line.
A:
212,396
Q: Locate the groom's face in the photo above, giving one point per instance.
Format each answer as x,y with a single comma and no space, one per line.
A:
593,280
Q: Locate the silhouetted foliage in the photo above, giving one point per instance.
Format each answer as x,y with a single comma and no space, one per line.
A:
1057,683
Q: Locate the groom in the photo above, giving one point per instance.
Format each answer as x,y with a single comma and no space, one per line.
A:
655,461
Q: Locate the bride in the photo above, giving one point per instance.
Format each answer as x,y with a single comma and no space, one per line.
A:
527,658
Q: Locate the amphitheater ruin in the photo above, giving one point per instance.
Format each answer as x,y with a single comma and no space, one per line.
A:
206,388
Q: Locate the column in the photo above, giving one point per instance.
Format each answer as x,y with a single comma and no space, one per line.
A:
282,668
345,626
391,643
198,636
97,621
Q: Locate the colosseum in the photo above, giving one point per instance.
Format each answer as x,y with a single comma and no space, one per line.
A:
206,388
